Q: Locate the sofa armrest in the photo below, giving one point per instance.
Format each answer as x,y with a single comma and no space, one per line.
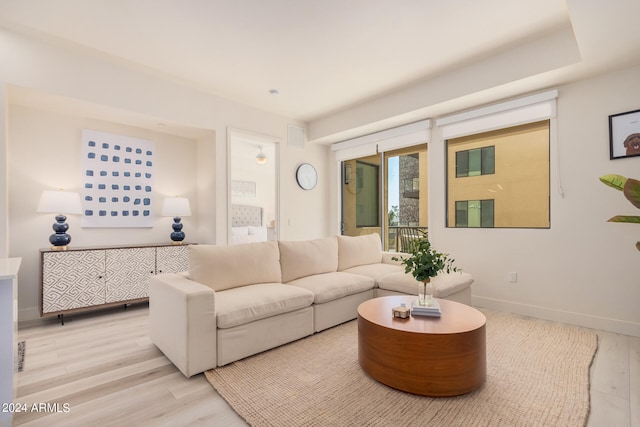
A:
182,322
387,257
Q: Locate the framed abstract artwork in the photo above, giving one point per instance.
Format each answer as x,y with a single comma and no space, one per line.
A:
117,175
624,135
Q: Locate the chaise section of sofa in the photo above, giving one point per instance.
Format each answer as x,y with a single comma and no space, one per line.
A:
358,256
454,286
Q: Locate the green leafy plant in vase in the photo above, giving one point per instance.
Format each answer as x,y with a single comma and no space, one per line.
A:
424,262
631,190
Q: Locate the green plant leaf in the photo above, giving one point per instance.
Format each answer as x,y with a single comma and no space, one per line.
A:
632,191
625,218
614,181
424,261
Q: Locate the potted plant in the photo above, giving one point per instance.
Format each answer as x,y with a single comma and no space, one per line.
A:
424,262
631,189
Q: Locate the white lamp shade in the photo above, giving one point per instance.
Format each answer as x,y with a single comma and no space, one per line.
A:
176,206
60,202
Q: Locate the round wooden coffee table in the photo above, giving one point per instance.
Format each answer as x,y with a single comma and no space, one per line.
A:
430,356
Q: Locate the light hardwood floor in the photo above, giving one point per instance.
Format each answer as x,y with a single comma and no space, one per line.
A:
106,369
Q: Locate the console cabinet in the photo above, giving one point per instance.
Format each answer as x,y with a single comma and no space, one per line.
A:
79,279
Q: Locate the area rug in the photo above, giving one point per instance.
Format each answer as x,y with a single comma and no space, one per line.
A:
537,375
22,346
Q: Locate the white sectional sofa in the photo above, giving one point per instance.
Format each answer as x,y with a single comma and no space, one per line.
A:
236,301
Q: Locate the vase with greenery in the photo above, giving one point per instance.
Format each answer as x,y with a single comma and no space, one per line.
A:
631,190
423,262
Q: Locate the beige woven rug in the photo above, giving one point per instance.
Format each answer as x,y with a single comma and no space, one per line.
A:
537,375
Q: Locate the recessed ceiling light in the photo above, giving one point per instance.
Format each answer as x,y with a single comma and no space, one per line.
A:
274,92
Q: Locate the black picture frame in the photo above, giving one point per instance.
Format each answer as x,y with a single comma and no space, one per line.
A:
624,135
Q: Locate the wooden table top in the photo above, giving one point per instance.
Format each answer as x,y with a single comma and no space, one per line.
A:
456,317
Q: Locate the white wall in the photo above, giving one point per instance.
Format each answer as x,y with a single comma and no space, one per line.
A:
583,270
79,74
4,162
295,220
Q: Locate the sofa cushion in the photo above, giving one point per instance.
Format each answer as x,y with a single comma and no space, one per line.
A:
375,271
330,286
358,250
246,304
304,258
443,284
224,267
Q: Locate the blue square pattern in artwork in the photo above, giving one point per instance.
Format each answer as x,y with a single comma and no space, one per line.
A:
118,180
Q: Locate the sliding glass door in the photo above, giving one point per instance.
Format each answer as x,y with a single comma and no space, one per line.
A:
386,194
405,197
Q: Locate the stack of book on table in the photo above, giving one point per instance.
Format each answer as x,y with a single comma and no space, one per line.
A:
432,310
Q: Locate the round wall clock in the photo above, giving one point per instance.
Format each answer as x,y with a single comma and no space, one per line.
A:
306,176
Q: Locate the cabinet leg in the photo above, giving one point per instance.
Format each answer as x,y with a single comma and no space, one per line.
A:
125,306
61,317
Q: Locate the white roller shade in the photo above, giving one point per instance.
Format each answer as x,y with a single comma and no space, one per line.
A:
519,111
390,139
355,152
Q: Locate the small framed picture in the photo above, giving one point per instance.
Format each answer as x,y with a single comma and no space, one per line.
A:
624,135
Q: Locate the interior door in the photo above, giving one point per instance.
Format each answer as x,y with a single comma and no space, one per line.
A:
253,187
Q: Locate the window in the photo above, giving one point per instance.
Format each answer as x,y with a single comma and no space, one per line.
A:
474,162
508,168
474,213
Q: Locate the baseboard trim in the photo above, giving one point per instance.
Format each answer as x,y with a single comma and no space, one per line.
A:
579,319
27,314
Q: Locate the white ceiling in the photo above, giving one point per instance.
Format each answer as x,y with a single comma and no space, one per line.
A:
326,56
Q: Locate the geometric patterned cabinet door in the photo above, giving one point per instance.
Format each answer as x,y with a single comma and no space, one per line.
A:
172,259
128,273
72,279
85,278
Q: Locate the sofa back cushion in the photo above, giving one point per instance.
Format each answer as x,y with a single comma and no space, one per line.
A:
305,258
226,267
358,250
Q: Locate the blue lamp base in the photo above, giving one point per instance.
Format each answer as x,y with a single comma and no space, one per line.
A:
178,235
60,240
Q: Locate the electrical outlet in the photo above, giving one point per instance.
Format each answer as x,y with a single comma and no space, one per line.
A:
513,277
